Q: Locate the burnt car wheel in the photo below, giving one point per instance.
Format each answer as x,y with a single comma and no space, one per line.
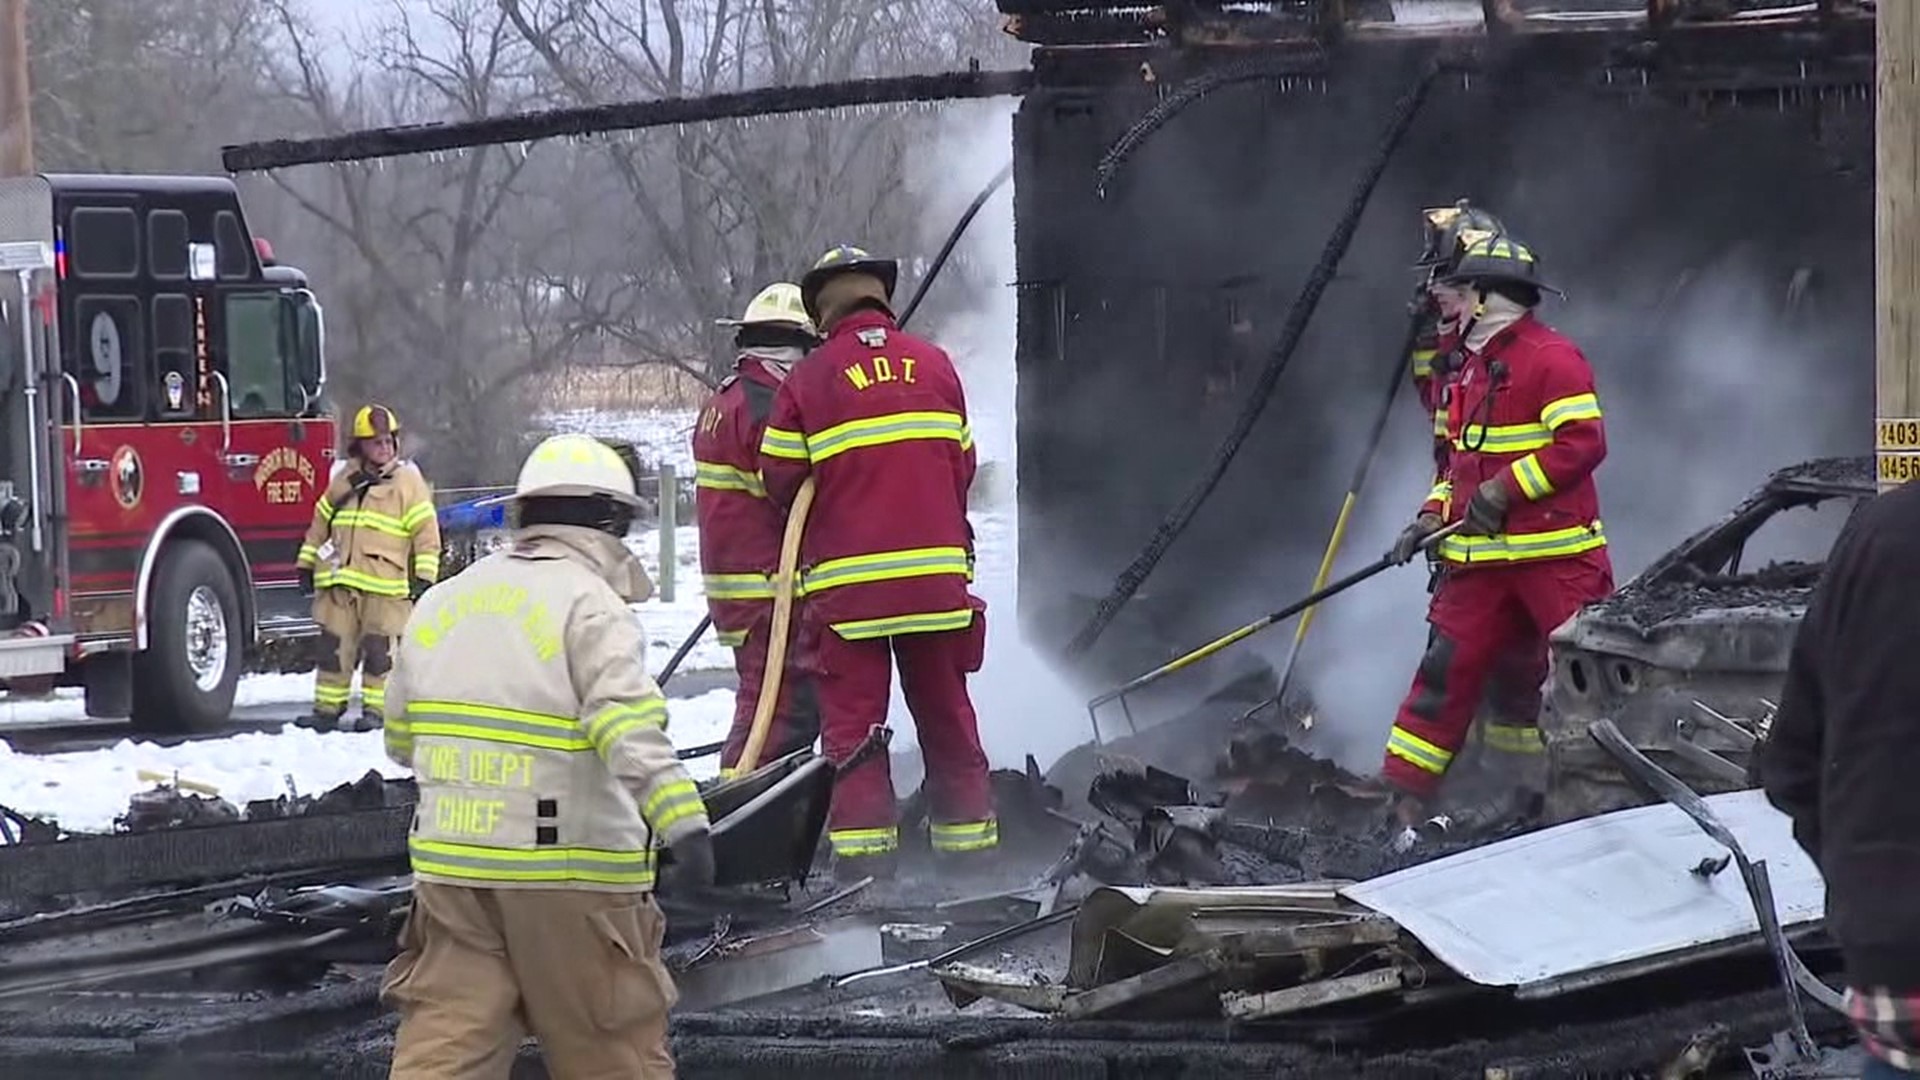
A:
185,680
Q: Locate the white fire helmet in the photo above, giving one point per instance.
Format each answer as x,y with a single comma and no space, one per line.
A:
576,466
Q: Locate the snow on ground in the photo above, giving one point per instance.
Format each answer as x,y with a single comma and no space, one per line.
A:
660,436
84,791
668,624
67,704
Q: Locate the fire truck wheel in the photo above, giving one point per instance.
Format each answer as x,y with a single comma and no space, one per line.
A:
185,679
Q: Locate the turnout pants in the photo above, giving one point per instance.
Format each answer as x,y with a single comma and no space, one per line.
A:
853,679
796,715
357,630
480,968
1485,620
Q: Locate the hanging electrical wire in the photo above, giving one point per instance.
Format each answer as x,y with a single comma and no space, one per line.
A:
1176,522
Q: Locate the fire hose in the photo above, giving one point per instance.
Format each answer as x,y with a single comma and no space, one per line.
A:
1291,334
1305,603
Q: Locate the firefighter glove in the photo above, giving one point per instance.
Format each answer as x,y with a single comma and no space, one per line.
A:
693,860
1488,510
1410,537
306,581
418,588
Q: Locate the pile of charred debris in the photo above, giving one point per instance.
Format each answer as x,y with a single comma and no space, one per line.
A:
1253,919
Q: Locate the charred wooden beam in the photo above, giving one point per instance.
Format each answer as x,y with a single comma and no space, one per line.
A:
621,116
129,861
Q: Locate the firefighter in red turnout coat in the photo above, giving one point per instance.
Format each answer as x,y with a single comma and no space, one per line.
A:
1524,425
740,528
877,417
1512,699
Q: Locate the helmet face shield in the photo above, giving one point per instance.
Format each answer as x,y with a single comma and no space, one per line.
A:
1436,227
1447,231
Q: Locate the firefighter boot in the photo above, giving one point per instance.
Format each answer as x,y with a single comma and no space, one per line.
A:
368,720
848,869
966,865
319,721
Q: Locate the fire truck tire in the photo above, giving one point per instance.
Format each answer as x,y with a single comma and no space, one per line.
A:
185,679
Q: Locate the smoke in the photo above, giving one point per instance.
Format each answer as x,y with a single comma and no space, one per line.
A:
970,310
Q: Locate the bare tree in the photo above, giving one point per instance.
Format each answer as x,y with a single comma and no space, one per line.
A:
153,86
721,209
449,297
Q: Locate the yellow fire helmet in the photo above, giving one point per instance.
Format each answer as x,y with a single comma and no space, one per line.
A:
373,421
778,304
576,466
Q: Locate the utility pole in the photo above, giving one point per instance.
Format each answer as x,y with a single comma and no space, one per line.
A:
1897,242
16,96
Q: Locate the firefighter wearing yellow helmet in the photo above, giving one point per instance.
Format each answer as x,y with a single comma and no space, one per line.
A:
740,530
547,783
372,549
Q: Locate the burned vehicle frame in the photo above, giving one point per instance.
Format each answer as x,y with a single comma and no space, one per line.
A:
1689,657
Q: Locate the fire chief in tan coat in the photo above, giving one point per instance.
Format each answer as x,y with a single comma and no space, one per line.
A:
547,784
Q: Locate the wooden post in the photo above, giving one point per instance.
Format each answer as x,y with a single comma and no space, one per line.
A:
16,113
669,523
1897,243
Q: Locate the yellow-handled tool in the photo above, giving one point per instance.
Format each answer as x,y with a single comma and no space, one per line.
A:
1120,692
1397,376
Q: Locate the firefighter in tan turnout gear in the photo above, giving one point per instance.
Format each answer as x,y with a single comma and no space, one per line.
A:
547,783
373,547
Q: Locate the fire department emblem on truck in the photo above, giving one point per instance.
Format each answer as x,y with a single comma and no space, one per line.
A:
285,491
127,478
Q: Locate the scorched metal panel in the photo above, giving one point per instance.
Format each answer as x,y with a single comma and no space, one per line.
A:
1603,897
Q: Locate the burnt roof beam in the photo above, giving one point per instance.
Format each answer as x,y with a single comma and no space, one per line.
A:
621,116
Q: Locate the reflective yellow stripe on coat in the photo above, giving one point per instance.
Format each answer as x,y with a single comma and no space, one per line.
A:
927,623
886,566
1523,547
867,431
532,865
718,477
325,577
747,586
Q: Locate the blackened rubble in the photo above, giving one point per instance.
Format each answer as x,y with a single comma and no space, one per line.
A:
1851,472
1265,813
1784,587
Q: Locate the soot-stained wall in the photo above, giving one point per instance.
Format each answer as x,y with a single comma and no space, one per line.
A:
1717,259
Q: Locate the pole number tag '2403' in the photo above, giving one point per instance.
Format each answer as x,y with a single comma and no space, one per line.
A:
1897,434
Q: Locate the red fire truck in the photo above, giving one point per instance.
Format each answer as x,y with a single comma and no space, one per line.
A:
162,442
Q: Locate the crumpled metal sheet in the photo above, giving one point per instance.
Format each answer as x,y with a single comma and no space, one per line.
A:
1594,900
1157,922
